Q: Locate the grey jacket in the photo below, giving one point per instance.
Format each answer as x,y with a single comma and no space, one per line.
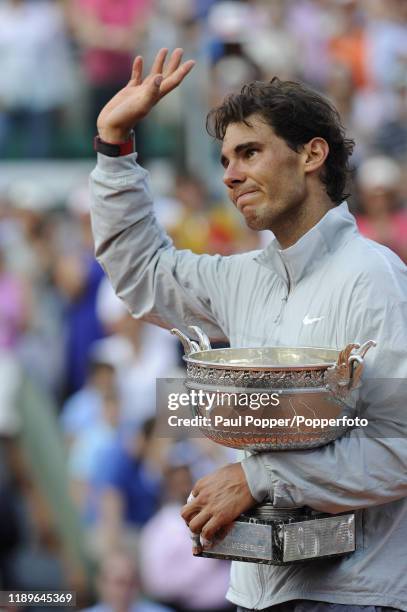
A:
351,289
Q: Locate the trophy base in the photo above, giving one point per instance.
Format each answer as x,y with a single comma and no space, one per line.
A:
282,537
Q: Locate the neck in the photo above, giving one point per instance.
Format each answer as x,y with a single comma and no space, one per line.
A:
300,220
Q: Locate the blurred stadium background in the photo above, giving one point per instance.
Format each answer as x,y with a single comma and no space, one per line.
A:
89,494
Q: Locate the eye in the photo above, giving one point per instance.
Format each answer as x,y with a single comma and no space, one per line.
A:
249,153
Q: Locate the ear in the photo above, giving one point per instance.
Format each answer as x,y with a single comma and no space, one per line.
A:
315,153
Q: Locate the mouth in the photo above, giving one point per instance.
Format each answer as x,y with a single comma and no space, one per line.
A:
245,198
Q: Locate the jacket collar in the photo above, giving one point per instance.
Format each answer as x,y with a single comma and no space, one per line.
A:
297,261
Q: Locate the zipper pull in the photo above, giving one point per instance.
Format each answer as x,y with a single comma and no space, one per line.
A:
278,317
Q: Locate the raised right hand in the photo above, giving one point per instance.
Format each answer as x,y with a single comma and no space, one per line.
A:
138,97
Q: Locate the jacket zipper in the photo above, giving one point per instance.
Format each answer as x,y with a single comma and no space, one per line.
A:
277,321
279,316
290,286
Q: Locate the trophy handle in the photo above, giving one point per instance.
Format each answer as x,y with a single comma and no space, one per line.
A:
345,375
189,345
356,362
204,342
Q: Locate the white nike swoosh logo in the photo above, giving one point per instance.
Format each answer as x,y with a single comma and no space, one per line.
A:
308,321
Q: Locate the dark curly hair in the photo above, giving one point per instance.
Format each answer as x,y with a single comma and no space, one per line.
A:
297,114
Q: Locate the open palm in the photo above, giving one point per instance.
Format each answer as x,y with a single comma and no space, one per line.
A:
137,98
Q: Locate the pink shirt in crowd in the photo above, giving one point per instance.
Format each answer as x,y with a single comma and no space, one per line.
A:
104,66
393,235
11,310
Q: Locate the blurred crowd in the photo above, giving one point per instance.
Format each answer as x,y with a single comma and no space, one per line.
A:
90,492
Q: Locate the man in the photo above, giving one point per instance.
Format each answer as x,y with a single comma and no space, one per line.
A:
119,588
318,283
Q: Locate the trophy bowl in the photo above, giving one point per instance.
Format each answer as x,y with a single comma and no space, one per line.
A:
272,398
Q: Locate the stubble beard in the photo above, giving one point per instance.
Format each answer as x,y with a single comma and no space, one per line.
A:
268,217
283,219
261,217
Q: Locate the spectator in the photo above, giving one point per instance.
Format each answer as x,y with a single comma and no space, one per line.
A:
77,276
108,33
128,483
132,347
217,230
387,42
348,45
83,410
311,23
391,136
12,307
169,573
88,447
382,219
35,75
119,587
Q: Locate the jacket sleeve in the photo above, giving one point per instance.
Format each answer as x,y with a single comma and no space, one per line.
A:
157,282
368,465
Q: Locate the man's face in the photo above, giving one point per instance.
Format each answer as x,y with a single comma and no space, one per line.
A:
264,177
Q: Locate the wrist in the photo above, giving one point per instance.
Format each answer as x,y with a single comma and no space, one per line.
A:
257,477
114,136
116,148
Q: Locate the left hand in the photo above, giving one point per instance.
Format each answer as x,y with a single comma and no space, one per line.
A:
219,499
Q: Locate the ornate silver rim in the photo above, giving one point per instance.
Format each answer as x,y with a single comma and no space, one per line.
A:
190,359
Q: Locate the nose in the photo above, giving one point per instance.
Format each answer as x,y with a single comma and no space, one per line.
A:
233,175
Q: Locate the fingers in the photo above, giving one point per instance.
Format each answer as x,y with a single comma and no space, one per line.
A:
171,76
189,511
199,542
222,532
159,61
187,514
196,544
173,64
205,526
175,61
207,530
211,529
172,81
174,73
200,520
207,541
137,71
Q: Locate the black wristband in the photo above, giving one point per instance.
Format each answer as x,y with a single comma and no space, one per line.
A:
115,149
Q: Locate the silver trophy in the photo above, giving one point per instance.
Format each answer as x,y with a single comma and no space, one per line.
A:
308,386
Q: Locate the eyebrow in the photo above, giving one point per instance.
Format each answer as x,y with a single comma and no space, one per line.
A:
240,148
